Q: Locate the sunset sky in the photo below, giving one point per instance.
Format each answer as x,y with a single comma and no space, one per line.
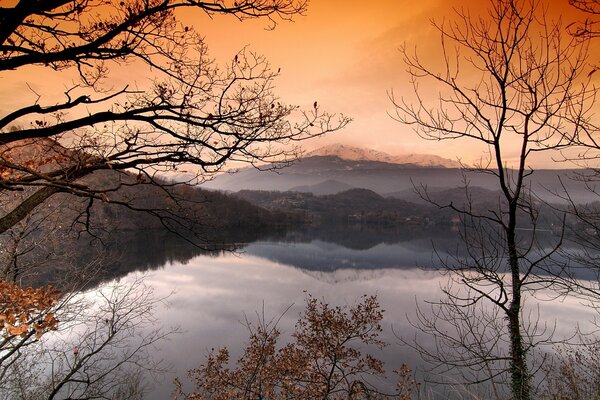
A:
344,54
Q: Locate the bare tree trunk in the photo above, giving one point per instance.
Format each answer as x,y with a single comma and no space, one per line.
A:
26,207
511,83
520,378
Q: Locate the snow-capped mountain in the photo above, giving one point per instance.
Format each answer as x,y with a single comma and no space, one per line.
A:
333,169
359,154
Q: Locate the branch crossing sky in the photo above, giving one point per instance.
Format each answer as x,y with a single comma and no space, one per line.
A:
344,54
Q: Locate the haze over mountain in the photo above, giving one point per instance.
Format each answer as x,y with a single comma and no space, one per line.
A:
337,168
359,154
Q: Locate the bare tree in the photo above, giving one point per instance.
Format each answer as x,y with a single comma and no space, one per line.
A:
588,28
105,342
26,250
511,82
194,112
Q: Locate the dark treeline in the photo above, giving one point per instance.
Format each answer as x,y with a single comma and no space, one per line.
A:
132,228
364,206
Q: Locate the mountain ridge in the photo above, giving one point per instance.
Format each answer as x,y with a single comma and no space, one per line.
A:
351,153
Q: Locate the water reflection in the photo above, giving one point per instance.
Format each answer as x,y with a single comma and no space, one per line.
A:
329,248
318,255
212,291
213,295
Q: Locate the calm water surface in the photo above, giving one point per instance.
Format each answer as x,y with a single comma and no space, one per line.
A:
210,296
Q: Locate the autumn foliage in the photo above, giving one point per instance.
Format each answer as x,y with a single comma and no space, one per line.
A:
322,361
26,311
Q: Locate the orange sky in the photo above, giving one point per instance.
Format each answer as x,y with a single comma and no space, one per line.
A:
344,54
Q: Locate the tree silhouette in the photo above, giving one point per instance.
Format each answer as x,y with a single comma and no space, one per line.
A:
96,139
194,112
588,28
511,82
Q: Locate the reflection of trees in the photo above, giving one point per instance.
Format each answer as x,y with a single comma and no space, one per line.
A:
126,251
95,141
130,251
511,83
364,237
106,339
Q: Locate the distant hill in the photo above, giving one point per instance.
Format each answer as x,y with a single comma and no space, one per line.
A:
353,206
326,187
359,154
72,239
314,173
378,176
169,206
457,196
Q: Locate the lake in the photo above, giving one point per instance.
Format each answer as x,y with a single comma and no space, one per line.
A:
210,295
